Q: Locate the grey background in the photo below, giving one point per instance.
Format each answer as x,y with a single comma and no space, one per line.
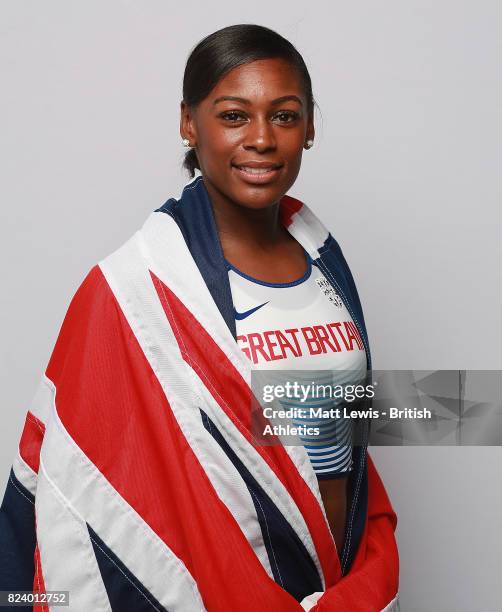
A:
405,171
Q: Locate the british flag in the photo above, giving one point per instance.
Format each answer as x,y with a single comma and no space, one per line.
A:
137,485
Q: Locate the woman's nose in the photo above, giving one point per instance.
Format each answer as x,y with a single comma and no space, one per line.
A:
260,135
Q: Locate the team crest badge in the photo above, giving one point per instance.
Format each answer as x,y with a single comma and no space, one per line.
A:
328,290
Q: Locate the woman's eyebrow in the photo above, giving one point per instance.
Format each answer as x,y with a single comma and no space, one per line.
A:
244,101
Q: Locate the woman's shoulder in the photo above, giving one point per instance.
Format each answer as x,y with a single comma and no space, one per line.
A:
94,302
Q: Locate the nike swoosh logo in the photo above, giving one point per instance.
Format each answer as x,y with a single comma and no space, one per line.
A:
242,315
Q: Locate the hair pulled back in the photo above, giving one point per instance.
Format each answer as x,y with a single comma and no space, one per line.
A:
218,53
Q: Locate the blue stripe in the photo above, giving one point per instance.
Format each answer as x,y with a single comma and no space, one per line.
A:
17,538
325,452
304,277
124,590
332,460
309,446
292,566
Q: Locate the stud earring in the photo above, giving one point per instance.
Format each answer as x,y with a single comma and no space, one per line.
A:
185,142
309,143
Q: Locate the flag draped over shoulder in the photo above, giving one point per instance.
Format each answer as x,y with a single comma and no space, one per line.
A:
137,485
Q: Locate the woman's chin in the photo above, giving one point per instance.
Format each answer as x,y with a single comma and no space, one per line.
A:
257,198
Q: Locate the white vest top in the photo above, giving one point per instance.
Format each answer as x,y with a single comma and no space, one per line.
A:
303,325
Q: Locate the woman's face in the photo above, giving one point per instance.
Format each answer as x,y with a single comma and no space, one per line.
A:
250,131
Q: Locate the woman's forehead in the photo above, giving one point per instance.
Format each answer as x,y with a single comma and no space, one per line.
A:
265,79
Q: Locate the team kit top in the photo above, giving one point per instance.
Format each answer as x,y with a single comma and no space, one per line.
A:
303,325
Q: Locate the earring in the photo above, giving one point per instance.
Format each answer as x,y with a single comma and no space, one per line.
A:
185,142
309,143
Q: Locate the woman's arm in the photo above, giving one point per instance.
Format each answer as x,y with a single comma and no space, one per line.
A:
372,582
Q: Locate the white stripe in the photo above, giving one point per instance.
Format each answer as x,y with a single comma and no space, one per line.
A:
40,407
66,552
129,280
116,522
338,454
311,600
393,606
308,230
41,404
23,472
147,319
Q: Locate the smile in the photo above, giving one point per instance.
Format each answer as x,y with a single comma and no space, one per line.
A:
257,175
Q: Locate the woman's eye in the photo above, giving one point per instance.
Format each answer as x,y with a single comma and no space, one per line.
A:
231,116
282,116
286,116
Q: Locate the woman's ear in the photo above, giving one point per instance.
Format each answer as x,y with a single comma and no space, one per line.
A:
187,124
310,134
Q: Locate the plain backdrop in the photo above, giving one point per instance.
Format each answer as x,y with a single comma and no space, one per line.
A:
405,171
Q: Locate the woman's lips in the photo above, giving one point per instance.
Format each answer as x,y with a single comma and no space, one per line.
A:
257,176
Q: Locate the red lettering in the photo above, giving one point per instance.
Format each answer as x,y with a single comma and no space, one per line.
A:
256,345
350,334
323,337
244,349
293,332
333,337
285,344
340,333
312,342
357,335
271,344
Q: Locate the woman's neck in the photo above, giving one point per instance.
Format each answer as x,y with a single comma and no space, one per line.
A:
246,228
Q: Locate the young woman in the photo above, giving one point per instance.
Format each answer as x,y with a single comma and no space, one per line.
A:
138,450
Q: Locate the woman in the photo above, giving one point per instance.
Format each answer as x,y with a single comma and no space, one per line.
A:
138,451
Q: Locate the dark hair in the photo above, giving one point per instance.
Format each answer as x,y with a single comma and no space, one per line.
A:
218,53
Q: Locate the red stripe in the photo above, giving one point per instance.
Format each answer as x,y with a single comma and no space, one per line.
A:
288,206
38,578
38,582
357,335
373,579
31,441
234,396
113,406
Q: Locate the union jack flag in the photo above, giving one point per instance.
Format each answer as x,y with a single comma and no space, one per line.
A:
137,485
